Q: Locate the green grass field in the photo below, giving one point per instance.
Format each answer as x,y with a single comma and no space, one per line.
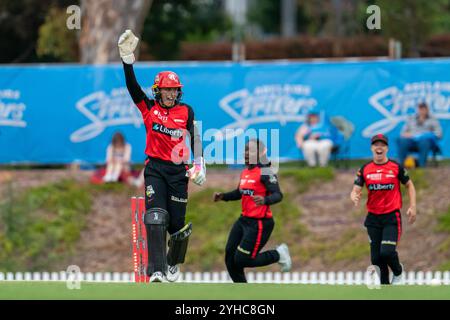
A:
186,291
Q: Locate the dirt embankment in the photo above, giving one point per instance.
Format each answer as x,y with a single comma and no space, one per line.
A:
328,215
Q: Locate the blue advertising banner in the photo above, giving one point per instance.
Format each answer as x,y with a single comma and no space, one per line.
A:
65,113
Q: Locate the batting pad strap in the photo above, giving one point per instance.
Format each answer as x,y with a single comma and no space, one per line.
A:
178,243
156,216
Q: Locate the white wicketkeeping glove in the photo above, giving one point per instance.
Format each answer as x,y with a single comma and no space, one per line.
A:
198,171
127,44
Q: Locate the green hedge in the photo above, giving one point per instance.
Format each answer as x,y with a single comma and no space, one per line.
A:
41,225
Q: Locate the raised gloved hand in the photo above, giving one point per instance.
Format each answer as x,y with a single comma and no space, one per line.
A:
127,44
198,171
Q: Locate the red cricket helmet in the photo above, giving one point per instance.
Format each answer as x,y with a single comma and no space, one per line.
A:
166,79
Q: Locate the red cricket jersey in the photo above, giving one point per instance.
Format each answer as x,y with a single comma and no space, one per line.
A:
383,185
251,185
166,130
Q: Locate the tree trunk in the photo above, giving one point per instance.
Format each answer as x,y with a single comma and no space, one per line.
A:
103,21
288,18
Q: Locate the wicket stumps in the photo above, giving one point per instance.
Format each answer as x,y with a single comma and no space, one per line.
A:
139,239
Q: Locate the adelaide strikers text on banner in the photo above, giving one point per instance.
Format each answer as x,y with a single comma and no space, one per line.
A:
228,97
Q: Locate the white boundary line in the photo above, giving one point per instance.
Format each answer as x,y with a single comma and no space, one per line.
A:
329,278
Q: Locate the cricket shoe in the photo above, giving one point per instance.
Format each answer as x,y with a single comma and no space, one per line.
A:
285,259
400,279
173,273
157,277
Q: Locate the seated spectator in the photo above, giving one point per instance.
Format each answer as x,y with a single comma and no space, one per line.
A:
117,167
314,138
118,155
419,134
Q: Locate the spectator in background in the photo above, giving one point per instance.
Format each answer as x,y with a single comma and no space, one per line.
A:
118,157
420,133
314,138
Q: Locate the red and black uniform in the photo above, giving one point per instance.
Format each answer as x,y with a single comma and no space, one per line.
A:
252,230
166,177
383,221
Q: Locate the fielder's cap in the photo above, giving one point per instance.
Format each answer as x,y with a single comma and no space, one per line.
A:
379,137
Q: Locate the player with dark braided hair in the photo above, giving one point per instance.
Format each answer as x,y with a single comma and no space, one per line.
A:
258,189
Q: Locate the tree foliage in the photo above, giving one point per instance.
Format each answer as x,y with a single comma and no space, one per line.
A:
170,22
413,21
56,42
31,29
410,21
267,15
19,25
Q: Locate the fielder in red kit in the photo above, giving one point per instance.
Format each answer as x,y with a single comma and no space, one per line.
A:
168,123
258,189
382,178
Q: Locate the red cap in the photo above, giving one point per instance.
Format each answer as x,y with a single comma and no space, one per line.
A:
379,137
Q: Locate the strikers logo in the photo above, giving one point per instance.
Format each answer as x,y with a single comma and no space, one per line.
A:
397,104
268,103
104,111
11,109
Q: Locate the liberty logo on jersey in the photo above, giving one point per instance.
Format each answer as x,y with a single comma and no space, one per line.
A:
381,186
11,110
175,133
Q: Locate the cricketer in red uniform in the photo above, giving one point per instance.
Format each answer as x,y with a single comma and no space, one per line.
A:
258,189
168,123
382,178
